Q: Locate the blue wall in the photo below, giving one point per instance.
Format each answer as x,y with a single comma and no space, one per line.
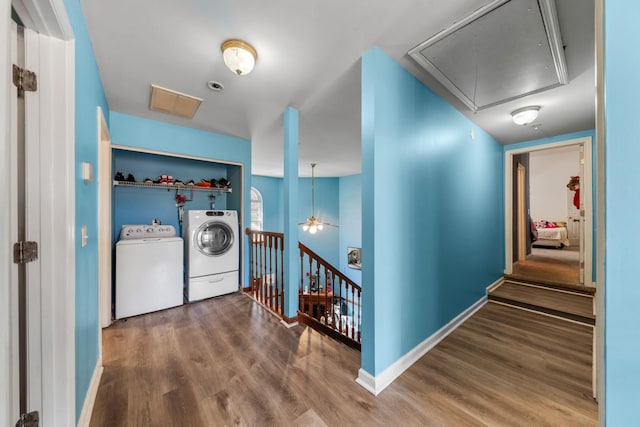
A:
350,222
558,138
327,191
566,137
138,132
272,203
327,203
89,94
622,269
432,202
135,205
348,215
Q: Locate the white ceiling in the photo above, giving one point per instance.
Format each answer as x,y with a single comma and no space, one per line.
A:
308,57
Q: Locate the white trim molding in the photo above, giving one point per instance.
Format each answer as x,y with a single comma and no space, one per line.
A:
90,398
289,325
54,160
55,153
103,176
495,284
9,385
47,17
376,384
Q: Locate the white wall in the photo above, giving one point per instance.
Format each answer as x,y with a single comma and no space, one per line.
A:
549,173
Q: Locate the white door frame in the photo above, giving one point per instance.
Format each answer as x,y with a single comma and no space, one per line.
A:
9,386
54,202
104,221
586,191
522,227
600,215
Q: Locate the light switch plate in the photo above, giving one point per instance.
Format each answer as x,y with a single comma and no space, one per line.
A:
87,172
83,236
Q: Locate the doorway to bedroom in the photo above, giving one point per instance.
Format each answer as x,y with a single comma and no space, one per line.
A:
548,212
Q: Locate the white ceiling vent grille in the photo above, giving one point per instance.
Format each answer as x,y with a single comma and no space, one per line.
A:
503,51
172,102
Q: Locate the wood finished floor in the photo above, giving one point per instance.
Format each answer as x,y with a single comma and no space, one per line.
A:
571,305
554,266
227,361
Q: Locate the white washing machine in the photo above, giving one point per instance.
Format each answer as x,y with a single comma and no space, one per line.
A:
212,253
149,269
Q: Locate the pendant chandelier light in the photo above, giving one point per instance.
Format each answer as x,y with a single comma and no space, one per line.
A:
313,224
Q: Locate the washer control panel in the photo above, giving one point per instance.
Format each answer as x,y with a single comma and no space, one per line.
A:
145,231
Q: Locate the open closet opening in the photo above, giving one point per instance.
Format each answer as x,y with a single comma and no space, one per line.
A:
161,190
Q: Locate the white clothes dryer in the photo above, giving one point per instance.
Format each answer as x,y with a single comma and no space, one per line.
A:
212,251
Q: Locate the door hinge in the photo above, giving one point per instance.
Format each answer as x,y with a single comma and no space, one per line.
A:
24,79
32,419
24,252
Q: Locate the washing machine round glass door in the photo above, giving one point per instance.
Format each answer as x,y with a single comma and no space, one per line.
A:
214,238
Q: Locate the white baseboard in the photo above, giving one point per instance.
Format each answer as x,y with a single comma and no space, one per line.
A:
375,384
368,381
90,398
495,284
289,325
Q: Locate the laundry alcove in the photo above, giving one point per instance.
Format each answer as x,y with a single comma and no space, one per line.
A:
140,205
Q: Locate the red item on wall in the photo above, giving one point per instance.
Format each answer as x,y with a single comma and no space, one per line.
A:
574,185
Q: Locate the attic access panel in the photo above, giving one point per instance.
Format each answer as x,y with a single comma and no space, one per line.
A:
503,51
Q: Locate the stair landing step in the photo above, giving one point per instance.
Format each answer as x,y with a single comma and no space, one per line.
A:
549,284
566,304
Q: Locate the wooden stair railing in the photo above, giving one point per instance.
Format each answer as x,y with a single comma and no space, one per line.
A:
266,260
329,301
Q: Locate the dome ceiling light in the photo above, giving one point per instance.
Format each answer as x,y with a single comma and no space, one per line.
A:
239,56
526,115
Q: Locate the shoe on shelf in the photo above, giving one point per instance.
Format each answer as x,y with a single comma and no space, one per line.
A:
119,176
130,178
178,182
148,181
204,183
191,182
169,180
224,183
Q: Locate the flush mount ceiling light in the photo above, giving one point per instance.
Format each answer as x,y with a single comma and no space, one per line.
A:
239,56
524,116
313,224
